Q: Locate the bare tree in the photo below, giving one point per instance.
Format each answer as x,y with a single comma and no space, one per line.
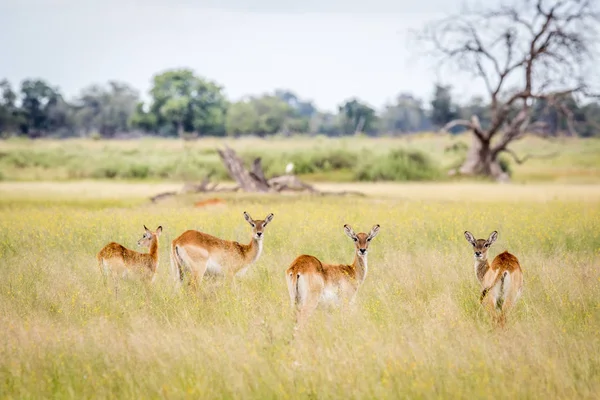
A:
527,51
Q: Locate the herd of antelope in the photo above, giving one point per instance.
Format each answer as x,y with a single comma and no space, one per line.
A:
309,281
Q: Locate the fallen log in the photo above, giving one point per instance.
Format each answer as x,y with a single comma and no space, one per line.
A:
247,181
251,181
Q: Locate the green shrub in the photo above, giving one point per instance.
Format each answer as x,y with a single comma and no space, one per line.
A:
305,162
18,159
398,165
505,165
457,147
95,135
138,171
104,172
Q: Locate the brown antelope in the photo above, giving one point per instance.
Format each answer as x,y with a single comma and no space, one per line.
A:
501,281
311,282
119,260
200,253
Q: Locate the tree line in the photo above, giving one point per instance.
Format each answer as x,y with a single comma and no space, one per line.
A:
184,104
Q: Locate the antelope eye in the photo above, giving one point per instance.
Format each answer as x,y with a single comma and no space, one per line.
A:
487,245
355,239
369,239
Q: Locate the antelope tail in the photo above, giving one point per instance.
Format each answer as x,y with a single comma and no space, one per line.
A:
297,291
292,281
499,278
176,264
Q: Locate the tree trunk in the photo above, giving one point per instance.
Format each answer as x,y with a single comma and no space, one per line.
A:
257,171
247,181
481,161
359,125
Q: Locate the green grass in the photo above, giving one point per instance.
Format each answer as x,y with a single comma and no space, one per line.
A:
322,159
417,330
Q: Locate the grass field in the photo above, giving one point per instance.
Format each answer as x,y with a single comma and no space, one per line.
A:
417,330
316,159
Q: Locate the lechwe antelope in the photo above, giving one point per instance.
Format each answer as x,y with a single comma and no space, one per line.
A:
501,281
200,253
119,260
311,282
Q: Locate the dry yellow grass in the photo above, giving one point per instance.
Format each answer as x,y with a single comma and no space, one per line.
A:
459,191
417,330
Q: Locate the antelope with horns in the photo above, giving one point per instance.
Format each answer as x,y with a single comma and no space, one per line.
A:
200,253
501,281
311,282
119,260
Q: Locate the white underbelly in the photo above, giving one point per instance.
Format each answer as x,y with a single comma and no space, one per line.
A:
330,295
214,268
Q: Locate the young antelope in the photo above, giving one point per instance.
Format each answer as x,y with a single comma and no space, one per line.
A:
311,282
501,281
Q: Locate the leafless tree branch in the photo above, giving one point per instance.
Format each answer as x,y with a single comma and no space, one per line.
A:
472,124
529,156
524,52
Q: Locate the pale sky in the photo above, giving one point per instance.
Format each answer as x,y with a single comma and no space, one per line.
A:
325,51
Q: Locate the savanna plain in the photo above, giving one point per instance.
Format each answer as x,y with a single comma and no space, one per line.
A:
416,331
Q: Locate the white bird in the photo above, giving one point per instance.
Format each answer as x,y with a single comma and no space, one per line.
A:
289,168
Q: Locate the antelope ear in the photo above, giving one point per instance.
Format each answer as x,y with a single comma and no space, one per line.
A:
493,237
146,229
268,219
349,232
248,218
159,230
374,232
470,238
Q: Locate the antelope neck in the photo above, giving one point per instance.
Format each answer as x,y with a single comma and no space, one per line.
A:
153,251
154,248
360,267
254,249
481,267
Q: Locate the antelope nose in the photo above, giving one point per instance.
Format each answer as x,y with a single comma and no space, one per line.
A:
362,251
477,253
259,234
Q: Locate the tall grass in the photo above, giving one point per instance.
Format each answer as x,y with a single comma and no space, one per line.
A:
417,330
420,157
399,165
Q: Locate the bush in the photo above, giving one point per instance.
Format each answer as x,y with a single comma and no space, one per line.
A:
305,162
95,136
138,171
18,159
505,165
104,172
322,161
457,148
398,165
